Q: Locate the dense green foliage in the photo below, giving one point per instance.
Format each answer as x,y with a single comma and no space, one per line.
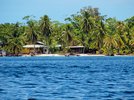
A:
87,28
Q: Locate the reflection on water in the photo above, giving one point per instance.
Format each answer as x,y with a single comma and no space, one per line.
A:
67,78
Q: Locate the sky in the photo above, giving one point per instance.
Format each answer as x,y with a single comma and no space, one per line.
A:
12,11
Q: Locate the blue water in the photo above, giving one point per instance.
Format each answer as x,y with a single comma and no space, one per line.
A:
67,78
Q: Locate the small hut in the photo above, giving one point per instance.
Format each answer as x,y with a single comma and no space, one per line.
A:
37,48
76,49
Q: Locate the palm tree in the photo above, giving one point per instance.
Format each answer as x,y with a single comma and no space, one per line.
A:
5,30
120,36
88,18
68,34
109,44
45,26
15,40
98,34
93,25
110,37
130,33
31,32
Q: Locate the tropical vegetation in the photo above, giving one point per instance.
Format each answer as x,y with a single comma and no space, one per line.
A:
86,28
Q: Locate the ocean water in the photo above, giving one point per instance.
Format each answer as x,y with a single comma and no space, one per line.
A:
67,78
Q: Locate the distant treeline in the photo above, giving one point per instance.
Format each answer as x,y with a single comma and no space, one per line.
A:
86,28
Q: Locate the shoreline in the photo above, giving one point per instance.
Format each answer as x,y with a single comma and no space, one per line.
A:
64,55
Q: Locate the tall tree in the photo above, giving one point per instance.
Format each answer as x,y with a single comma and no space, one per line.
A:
45,26
110,38
15,40
98,34
120,36
68,36
130,30
31,31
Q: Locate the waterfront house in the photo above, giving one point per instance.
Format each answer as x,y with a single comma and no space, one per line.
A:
38,48
76,49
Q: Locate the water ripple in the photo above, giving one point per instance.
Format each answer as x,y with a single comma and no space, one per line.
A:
67,78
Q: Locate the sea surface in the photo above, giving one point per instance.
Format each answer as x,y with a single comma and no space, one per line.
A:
67,78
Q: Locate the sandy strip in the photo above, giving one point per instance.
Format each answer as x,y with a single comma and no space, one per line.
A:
49,55
56,55
91,55
70,55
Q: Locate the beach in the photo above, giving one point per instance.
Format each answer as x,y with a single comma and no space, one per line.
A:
70,55
62,55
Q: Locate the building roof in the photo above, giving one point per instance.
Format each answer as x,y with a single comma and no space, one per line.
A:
34,46
58,46
39,42
76,46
